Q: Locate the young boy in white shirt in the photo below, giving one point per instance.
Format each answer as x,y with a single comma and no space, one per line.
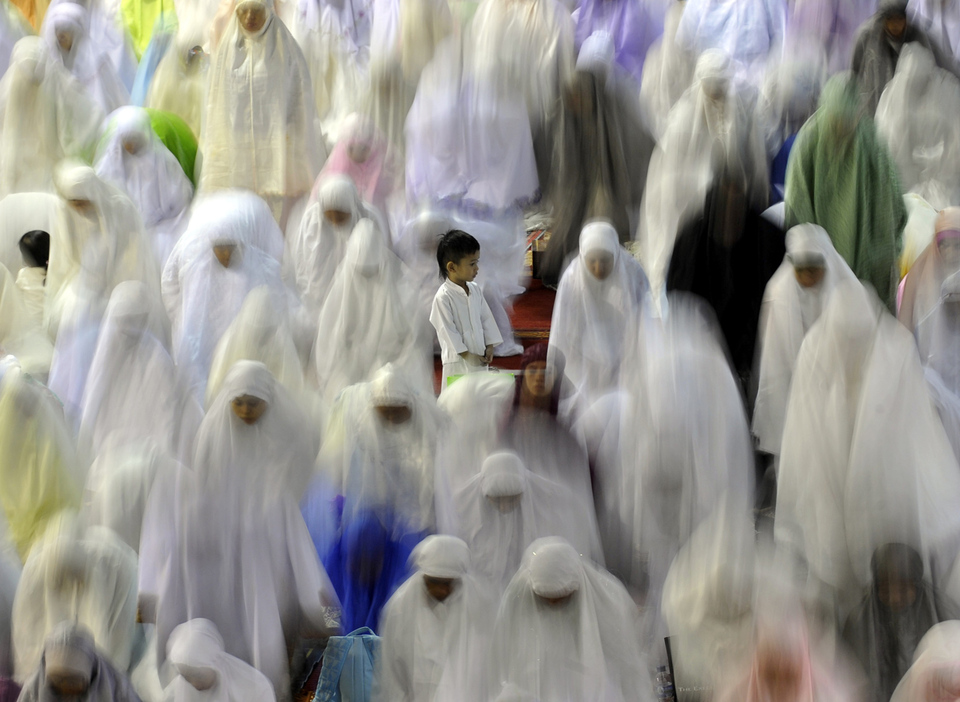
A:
465,326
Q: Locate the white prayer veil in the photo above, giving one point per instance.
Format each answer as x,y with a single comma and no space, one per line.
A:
134,391
939,21
748,30
180,82
434,651
914,119
270,143
380,464
320,245
19,334
45,116
935,673
88,577
667,73
38,466
367,319
195,650
85,59
132,158
788,312
591,316
582,646
938,338
265,583
202,297
505,508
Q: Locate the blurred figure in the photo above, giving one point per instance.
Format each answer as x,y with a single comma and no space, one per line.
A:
842,178
21,334
504,508
668,72
436,629
134,392
14,25
940,24
67,33
106,32
726,256
633,27
35,255
710,128
417,248
567,631
9,577
600,293
880,468
747,31
317,250
21,214
237,551
605,153
895,614
204,670
46,117
792,302
388,99
73,669
180,82
933,675
924,142
86,577
922,288
230,247
827,29
131,157
274,148
366,158
367,319
39,472
879,45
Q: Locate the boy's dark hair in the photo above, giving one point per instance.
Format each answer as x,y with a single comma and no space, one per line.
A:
454,246
35,248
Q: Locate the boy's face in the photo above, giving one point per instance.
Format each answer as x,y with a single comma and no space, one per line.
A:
465,270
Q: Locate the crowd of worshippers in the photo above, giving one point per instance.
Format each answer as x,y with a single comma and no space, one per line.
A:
241,239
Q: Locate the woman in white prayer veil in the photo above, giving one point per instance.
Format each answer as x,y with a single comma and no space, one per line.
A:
914,117
938,339
95,214
380,446
436,629
940,21
133,390
368,318
935,673
880,469
19,335
132,158
599,293
86,576
505,508
567,631
66,31
667,73
45,116
180,82
205,671
231,246
793,300
710,126
317,250
692,454
237,551
270,143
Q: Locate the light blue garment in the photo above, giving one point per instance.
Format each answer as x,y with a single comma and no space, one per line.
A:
160,42
348,669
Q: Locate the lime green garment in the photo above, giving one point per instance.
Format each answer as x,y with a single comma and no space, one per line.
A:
140,17
176,136
36,460
841,177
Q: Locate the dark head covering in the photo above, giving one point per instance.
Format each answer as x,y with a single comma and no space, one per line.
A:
35,248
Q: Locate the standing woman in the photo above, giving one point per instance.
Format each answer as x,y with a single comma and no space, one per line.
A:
260,130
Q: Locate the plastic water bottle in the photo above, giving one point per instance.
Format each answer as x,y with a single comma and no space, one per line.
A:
665,692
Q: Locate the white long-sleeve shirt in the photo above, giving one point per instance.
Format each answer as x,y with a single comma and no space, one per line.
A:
463,322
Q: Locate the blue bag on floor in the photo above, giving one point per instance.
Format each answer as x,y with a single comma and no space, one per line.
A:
348,668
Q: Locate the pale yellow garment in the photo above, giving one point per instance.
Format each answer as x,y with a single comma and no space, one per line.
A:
37,459
19,335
